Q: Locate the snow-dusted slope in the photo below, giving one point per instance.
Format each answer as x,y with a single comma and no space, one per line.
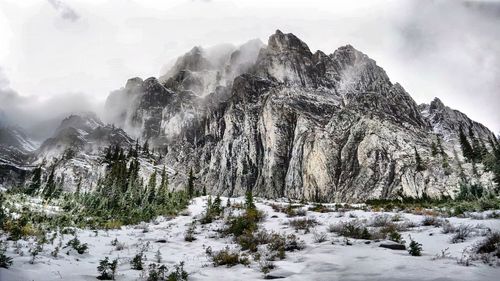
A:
332,259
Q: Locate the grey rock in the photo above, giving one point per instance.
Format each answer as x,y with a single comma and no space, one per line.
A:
393,246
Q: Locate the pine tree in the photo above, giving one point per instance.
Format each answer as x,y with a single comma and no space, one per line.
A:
249,204
50,185
190,187
420,165
476,147
152,188
440,147
36,181
466,147
78,187
434,149
145,148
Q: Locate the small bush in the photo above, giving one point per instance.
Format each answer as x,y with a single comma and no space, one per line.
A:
5,261
136,262
431,221
156,272
189,235
415,248
448,227
179,274
247,222
461,234
159,273
77,245
319,237
491,244
34,251
353,229
395,236
106,269
303,224
228,258
381,220
266,266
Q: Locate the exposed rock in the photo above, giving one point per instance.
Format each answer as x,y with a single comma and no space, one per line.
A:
393,246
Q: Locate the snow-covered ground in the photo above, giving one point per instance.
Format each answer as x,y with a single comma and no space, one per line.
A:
333,259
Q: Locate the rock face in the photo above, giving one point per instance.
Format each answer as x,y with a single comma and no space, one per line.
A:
297,124
16,149
447,122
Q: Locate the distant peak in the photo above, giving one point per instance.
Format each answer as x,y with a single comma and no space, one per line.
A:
436,104
280,42
132,82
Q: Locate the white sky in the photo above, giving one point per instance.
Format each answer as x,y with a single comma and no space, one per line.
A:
69,54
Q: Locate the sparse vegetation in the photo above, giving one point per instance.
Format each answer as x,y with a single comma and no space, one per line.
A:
107,269
77,245
5,261
461,234
136,262
227,257
415,248
353,229
490,245
303,224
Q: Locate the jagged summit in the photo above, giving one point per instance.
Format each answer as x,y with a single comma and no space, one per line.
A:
282,42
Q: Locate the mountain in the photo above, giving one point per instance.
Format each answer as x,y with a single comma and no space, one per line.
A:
277,119
16,149
298,124
76,149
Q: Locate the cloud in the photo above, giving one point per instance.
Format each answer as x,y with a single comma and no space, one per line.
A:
65,11
450,49
40,115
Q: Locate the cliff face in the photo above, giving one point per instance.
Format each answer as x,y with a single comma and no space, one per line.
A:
297,124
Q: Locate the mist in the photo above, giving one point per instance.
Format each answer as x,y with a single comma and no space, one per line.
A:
67,55
39,115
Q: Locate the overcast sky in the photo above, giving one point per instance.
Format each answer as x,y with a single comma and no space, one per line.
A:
62,55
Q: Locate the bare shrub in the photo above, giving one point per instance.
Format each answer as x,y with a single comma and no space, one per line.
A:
461,234
319,237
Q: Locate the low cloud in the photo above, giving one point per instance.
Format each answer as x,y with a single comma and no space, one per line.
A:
39,115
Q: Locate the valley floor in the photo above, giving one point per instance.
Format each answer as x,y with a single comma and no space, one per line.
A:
337,258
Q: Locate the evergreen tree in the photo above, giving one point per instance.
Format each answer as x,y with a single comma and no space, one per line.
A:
36,181
152,188
476,147
440,147
249,204
466,147
190,187
50,185
420,165
145,148
162,196
78,187
434,149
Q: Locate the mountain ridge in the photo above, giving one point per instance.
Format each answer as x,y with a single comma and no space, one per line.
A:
281,121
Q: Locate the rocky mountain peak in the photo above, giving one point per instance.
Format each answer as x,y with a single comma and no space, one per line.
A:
281,42
133,82
86,121
436,104
194,60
